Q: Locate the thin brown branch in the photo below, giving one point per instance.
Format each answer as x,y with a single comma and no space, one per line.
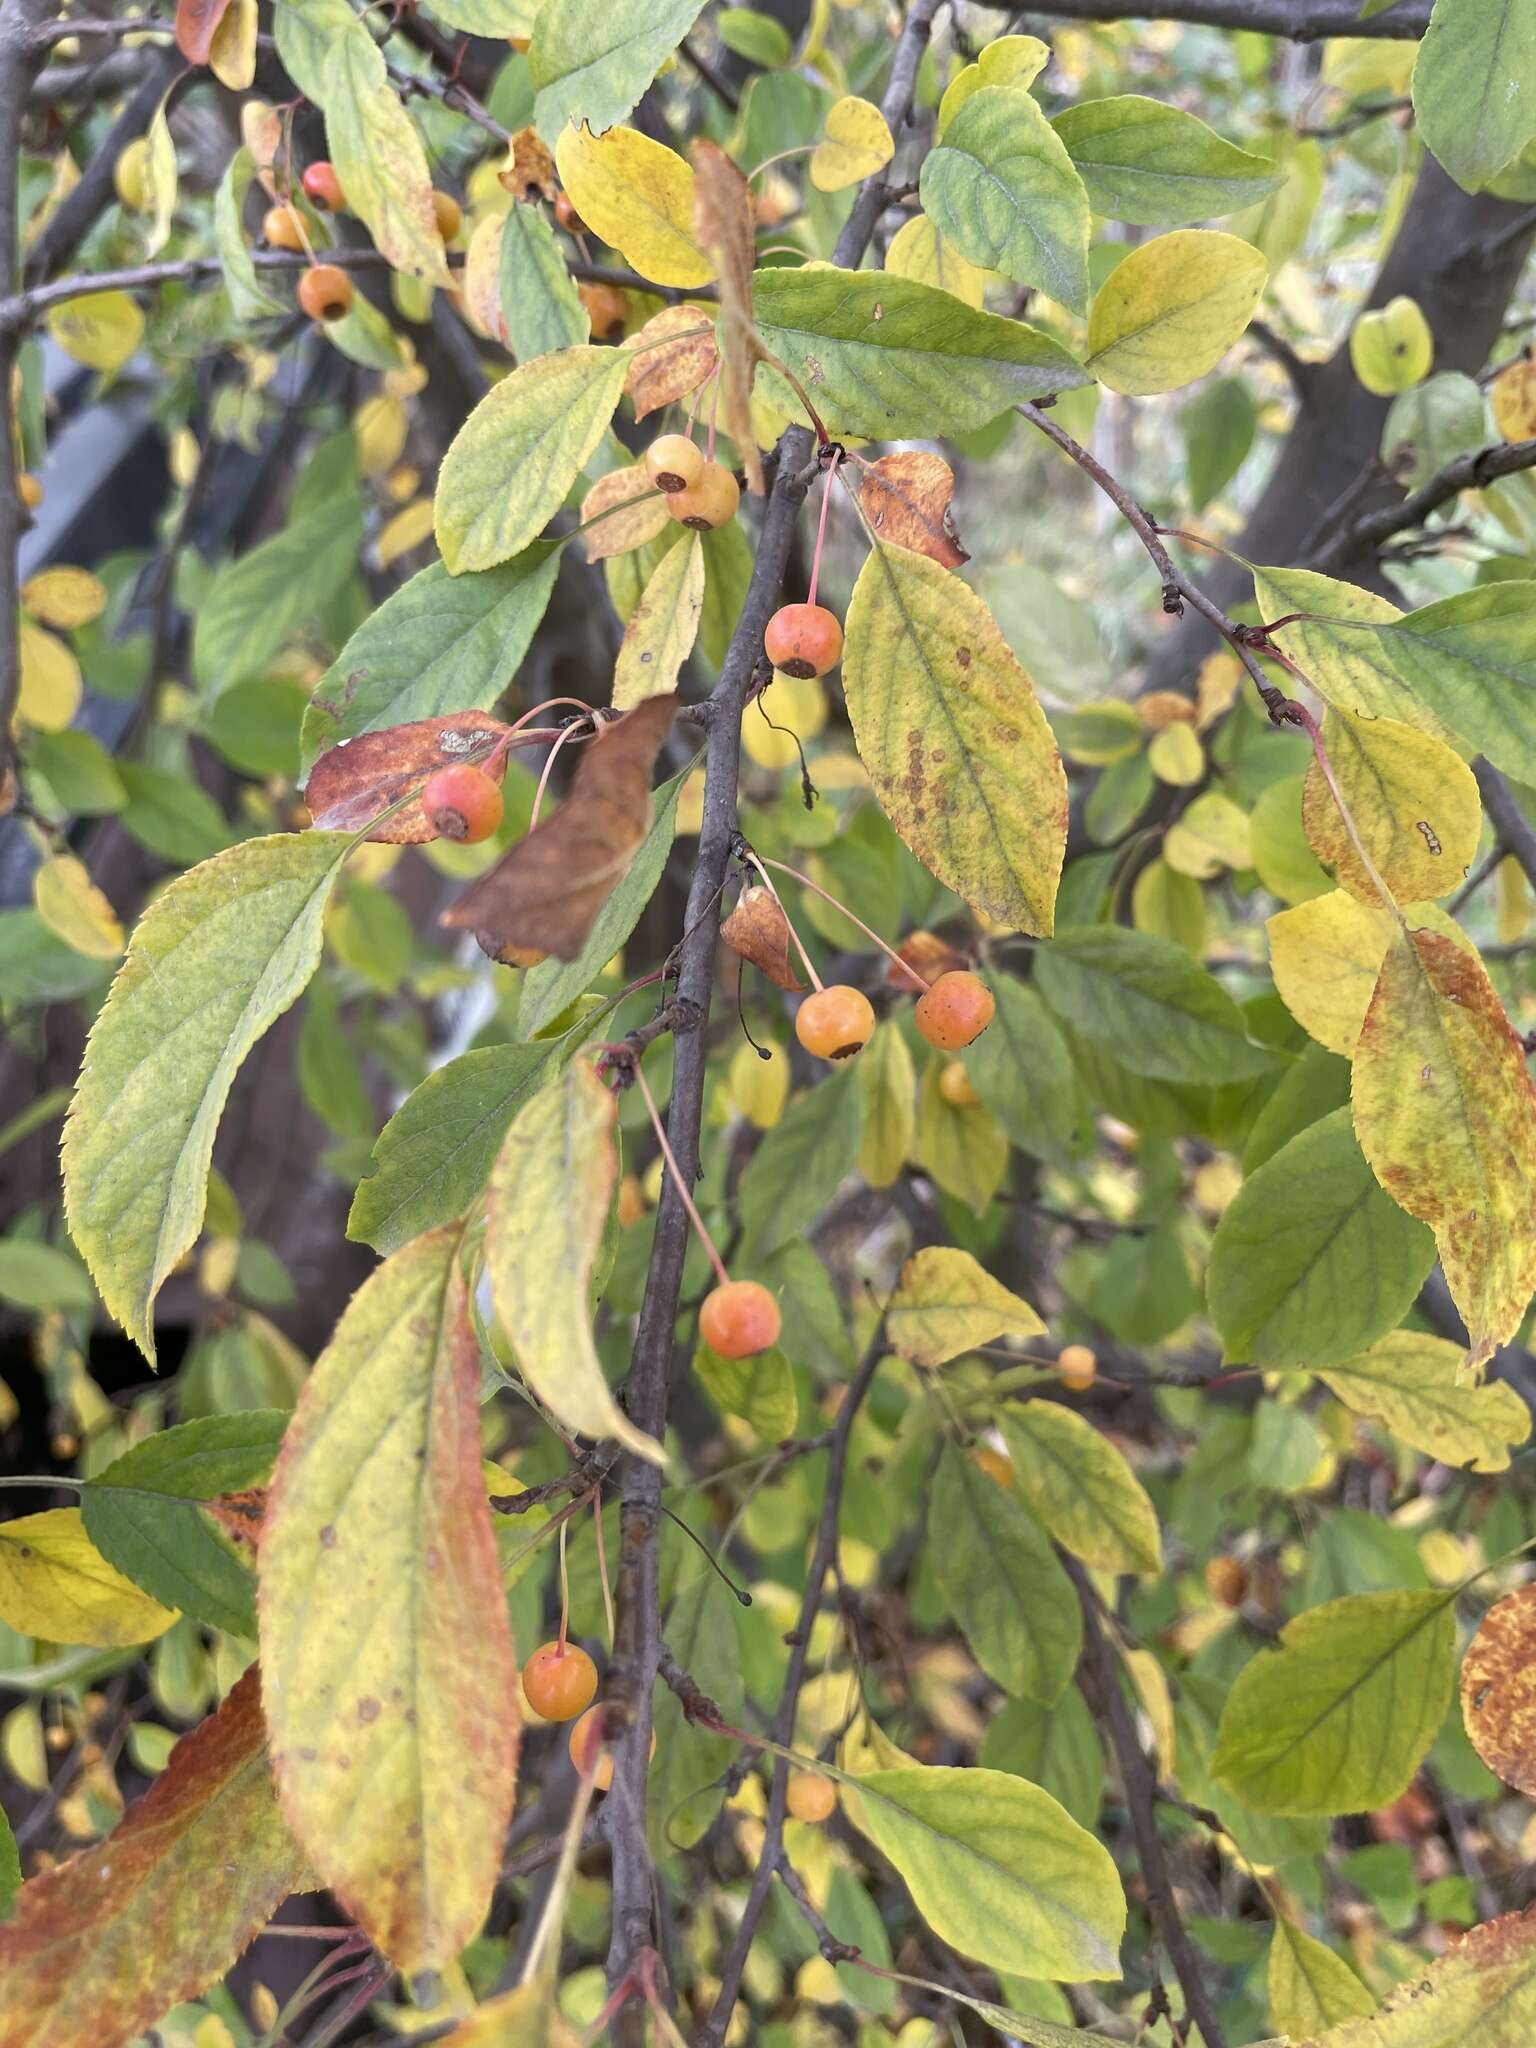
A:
1301,21
1300,372
1467,473
1517,835
723,90
80,208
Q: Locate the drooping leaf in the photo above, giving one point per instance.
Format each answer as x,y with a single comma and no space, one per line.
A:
217,956
888,1084
1498,1695
55,1584
540,308
1313,1262
196,23
1326,954
958,1145
946,722
758,931
1311,1987
1001,187
1147,1004
1158,166
1411,1383
356,781
885,356
1445,1111
546,1212
592,59
1474,87
946,1303
906,499
1483,1990
1022,1070
637,195
801,1163
1171,310
1338,1718
391,1681
685,1788
1471,661
248,299
102,1946
725,226
1412,800
1081,1487
382,163
512,462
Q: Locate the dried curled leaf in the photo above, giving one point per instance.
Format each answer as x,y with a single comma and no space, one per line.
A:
671,356
351,783
628,511
529,167
723,225
906,499
1498,1689
548,890
197,23
758,930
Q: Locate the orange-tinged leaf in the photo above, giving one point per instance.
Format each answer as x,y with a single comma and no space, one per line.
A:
758,930
906,499
627,509
1446,1115
197,22
1480,1994
723,223
1512,394
482,279
670,356
529,167
391,1683
104,1945
1498,1689
1325,955
354,782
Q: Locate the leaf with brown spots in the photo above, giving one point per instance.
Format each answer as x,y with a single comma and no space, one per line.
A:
672,355
724,228
242,1516
1480,1994
1446,1115
529,167
197,23
1411,798
547,892
352,783
906,499
628,510
391,1683
758,930
1498,1690
103,1946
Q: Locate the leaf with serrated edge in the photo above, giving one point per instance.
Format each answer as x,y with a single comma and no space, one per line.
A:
546,1211
105,1944
662,627
1410,1383
946,1303
215,958
946,721
1082,1488
55,1583
592,59
540,309
1325,955
1470,660
1309,1985
1480,1994
1147,1004
391,1681
1343,660
1412,800
382,164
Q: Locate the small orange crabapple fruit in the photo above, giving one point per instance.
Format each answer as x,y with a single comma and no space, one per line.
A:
281,227
566,215
1226,1580
559,1681
803,640
325,292
322,188
709,502
1077,1367
586,1736
29,490
461,802
450,215
955,1086
739,1318
923,957
956,1010
835,1022
810,1796
673,463
607,309
992,1461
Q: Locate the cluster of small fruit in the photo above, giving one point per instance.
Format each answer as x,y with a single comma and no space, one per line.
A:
325,290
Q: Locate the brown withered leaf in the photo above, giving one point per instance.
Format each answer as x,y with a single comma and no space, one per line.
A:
630,511
197,23
529,167
547,891
929,955
758,930
674,355
1498,1690
723,228
906,499
241,1516
353,782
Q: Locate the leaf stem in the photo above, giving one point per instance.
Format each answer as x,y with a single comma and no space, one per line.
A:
677,1178
826,894
805,959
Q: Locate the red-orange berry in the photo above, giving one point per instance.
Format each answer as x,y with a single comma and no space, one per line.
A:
1077,1366
991,1461
955,1011
586,1737
673,463
559,1681
607,309
809,1796
834,1022
709,502
803,640
325,292
322,188
461,802
566,215
281,227
450,215
739,1318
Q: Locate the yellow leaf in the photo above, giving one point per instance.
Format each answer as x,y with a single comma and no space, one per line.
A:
1152,1690
1408,1382
1170,906
918,250
1212,833
759,1088
856,143
792,707
546,1212
946,1303
1176,756
662,627
959,1145
75,910
379,427
64,598
1171,310
1325,955
622,511
411,525
102,331
1512,893
1393,348
1414,803
55,1583
1445,1112
1512,395
159,178
638,195
382,165
888,1084
1310,1987
51,685
480,280
1011,60
232,53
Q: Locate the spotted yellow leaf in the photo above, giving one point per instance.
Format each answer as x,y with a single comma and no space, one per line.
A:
56,1584
102,331
1413,801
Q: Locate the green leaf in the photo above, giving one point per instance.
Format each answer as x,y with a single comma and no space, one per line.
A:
309,33
10,1868
801,1163
686,1786
753,35
1471,659
258,601
41,1276
1148,1005
538,297
592,59
1310,1987
1157,166
1431,425
215,958
661,630
248,298
78,770
1081,1487
996,1868
509,467
382,162
1346,663
1217,425
385,1648
1313,1261
547,1210
440,643
946,721
1474,86
487,17
957,1145
1022,1070
1412,1384
143,1513
554,984
435,1154
171,815
1002,189
888,1085
1170,311
1341,1715
1055,1747
886,356
1002,1582
760,1389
